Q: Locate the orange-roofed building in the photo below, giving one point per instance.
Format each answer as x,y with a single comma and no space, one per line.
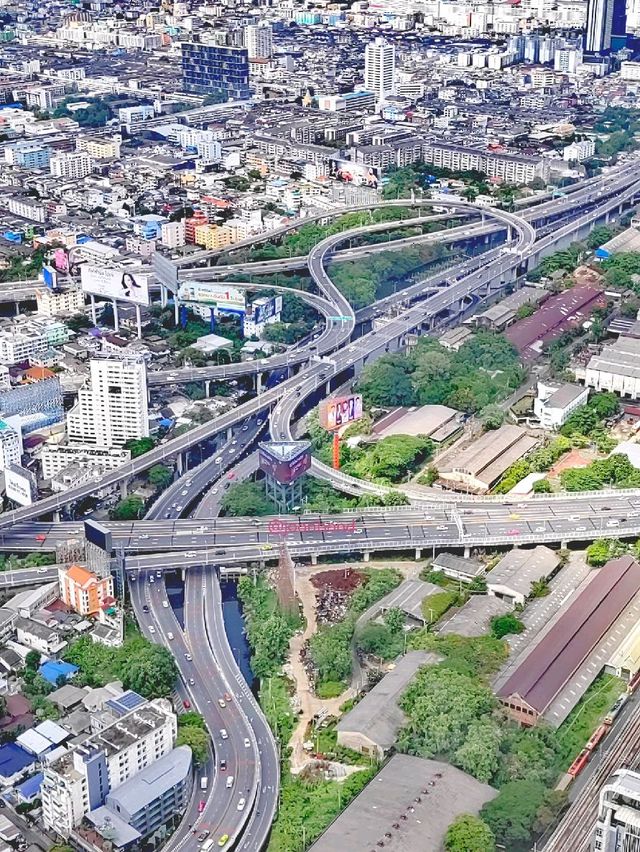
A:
38,374
83,591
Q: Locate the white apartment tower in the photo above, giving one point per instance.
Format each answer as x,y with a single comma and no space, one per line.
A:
71,164
113,408
10,446
379,68
259,41
618,825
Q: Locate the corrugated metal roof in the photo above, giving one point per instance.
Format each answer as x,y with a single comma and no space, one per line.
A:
548,667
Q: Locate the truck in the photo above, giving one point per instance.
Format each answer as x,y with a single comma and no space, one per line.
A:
204,782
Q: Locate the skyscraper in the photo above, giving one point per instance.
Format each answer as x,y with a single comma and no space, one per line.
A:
113,408
259,41
210,69
618,825
606,25
379,68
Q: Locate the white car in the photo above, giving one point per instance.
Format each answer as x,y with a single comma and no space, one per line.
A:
169,635
43,570
241,804
219,460
247,744
152,629
165,604
223,734
229,782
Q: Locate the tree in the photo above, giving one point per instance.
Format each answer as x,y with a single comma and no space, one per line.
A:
151,672
394,619
512,813
160,476
468,833
247,498
198,741
392,458
387,382
139,446
129,509
191,719
491,417
379,640
503,625
599,235
32,660
542,486
479,754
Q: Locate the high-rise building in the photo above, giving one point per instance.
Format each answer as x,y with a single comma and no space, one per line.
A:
379,68
71,164
10,446
113,408
259,41
618,824
83,591
209,69
606,25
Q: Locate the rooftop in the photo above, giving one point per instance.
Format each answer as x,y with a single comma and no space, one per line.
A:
429,793
474,618
377,716
153,781
518,569
408,597
429,420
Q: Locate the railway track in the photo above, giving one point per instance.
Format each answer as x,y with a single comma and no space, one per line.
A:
574,832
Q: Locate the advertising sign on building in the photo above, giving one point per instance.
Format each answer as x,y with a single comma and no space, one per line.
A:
50,277
20,485
339,411
357,174
221,297
285,461
115,283
271,308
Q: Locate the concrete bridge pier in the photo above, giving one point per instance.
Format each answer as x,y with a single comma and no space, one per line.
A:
258,383
314,558
180,463
183,574
56,516
418,552
467,552
124,488
229,433
367,556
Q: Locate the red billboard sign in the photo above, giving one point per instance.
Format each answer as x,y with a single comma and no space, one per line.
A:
285,462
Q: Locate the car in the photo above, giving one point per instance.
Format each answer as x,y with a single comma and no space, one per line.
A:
234,442
186,704
221,703
442,528
152,579
247,744
201,806
514,516
229,782
513,532
245,428
188,657
145,607
241,804
231,450
613,523
144,536
573,518
223,734
259,421
169,635
203,835
191,681
42,569
184,492
133,577
159,574
165,604
41,537
219,460
223,765
224,839
152,629
539,529
581,529
227,697
521,505
231,475
191,553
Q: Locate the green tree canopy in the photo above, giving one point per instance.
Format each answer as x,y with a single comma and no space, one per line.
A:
140,446
511,815
467,833
247,498
160,476
151,672
197,739
129,509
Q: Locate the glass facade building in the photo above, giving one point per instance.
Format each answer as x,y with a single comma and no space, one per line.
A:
209,69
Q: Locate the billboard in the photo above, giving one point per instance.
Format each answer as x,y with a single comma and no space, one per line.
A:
339,411
285,461
357,174
115,283
166,271
263,312
98,535
20,485
221,297
50,277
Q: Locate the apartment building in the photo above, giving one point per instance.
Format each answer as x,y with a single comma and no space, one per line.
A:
52,303
100,149
80,780
510,168
113,408
618,824
258,40
173,234
26,208
83,591
28,155
10,446
71,165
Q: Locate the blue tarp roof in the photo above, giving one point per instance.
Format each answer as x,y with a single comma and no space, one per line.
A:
52,669
14,759
31,787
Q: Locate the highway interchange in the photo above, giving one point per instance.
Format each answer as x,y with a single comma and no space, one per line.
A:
165,541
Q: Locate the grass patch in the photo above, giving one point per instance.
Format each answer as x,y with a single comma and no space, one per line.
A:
275,700
330,689
577,728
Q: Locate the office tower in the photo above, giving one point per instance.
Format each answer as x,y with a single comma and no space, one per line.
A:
618,824
606,25
259,41
113,408
10,446
209,69
379,68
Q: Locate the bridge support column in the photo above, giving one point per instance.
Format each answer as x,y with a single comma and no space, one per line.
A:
124,488
180,463
207,387
367,556
229,433
163,296
467,552
314,558
564,544
418,552
56,516
183,574
176,310
17,309
258,383
94,315
327,387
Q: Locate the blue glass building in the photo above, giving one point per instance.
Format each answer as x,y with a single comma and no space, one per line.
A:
209,69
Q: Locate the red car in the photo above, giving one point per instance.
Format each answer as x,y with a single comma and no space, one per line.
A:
186,704
231,475
227,697
201,806
513,532
41,537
